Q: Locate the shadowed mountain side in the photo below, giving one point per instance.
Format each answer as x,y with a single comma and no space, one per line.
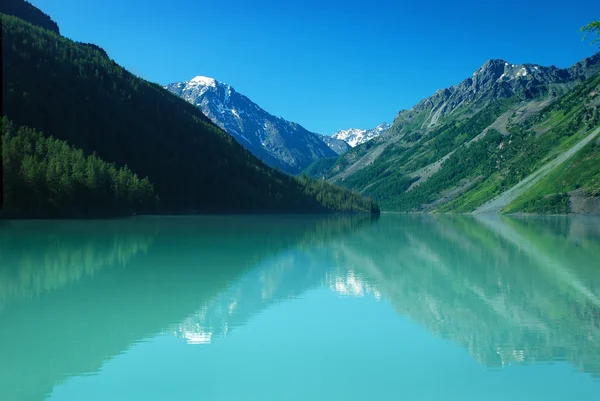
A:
26,11
511,292
72,327
100,110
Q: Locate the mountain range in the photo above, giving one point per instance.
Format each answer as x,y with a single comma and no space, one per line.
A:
355,136
503,140
276,141
509,138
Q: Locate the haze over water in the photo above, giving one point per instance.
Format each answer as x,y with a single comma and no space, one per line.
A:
300,308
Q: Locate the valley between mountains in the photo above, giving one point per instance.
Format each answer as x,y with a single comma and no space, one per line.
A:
276,141
483,146
508,139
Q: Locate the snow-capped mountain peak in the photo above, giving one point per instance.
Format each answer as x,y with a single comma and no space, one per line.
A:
204,81
276,141
356,136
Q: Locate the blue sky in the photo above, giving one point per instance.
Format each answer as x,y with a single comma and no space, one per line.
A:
327,65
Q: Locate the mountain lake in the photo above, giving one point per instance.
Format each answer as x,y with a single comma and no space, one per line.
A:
416,307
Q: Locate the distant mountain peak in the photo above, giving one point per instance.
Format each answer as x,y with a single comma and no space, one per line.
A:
495,69
276,141
356,136
494,63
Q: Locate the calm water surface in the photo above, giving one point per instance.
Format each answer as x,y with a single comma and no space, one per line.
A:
300,308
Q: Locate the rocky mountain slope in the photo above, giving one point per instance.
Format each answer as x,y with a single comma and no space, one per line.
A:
337,145
467,144
356,136
276,141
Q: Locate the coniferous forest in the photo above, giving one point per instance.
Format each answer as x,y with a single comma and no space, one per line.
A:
28,12
44,176
84,137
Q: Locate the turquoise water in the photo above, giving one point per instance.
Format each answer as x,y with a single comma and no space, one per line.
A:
300,308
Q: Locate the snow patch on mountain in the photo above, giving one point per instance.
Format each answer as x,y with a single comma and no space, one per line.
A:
204,81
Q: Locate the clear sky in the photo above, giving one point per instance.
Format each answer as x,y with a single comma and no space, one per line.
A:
327,65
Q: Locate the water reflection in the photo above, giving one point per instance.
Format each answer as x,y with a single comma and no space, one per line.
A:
37,257
282,277
351,285
77,293
510,291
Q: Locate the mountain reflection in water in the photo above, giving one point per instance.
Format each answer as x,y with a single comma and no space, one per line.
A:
74,294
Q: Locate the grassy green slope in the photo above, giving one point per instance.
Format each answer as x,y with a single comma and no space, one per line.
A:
389,176
550,195
533,143
481,162
75,93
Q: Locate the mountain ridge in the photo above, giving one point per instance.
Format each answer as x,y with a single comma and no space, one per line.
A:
278,142
499,79
525,103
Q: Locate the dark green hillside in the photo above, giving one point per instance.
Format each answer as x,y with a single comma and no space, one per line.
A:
26,11
74,93
319,168
47,177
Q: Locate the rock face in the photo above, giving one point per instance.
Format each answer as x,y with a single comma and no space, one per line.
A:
278,142
355,136
494,80
339,146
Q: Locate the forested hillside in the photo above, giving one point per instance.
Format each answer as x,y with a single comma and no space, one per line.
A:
76,94
26,11
44,176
